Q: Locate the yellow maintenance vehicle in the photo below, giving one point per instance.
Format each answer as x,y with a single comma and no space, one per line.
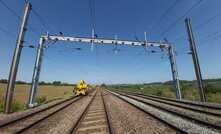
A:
81,88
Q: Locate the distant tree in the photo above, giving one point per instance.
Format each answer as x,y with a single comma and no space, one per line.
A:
57,83
103,85
17,82
168,83
3,81
21,82
42,83
48,83
67,84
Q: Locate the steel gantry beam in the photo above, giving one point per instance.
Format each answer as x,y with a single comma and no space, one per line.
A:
105,41
45,38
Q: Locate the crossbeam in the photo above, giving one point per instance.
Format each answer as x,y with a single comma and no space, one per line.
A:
105,41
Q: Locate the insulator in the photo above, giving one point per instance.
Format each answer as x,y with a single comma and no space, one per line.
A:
31,46
153,51
189,52
78,48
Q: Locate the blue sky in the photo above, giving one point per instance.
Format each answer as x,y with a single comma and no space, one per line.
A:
124,18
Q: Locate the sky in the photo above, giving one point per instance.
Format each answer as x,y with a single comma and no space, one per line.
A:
128,19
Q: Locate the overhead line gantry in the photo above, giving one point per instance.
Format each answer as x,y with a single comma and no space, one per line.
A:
102,41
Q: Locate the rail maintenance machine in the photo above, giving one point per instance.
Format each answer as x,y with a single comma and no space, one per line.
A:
81,88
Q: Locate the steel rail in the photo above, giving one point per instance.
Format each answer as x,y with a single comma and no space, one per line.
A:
33,113
176,105
177,129
110,126
69,101
216,126
84,113
203,105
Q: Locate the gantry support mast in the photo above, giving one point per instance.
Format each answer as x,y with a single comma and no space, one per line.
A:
101,41
36,73
16,59
176,81
201,87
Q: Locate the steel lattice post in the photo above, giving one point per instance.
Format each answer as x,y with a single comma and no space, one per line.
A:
15,60
195,61
174,70
36,74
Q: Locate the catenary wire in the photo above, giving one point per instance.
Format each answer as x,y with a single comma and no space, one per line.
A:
172,25
42,21
164,14
11,35
200,26
18,17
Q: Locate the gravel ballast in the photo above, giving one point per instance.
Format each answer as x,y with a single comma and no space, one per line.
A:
185,125
63,121
126,118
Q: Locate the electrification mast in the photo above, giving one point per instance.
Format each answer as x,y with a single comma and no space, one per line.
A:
195,60
36,74
16,59
176,82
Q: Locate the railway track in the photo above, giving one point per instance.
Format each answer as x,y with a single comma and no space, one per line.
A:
185,118
200,108
22,123
95,118
208,106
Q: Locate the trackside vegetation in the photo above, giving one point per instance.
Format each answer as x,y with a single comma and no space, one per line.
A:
188,88
47,92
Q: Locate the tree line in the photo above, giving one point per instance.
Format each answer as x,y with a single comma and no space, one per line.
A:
56,83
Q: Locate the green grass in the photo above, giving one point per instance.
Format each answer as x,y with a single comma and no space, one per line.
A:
45,94
16,106
1,105
188,89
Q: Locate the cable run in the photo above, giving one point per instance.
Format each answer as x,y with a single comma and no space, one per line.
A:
164,14
41,20
216,34
9,9
7,32
180,18
18,17
207,21
201,25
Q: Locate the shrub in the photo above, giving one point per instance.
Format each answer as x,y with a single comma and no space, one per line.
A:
41,100
212,89
1,105
17,106
159,93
